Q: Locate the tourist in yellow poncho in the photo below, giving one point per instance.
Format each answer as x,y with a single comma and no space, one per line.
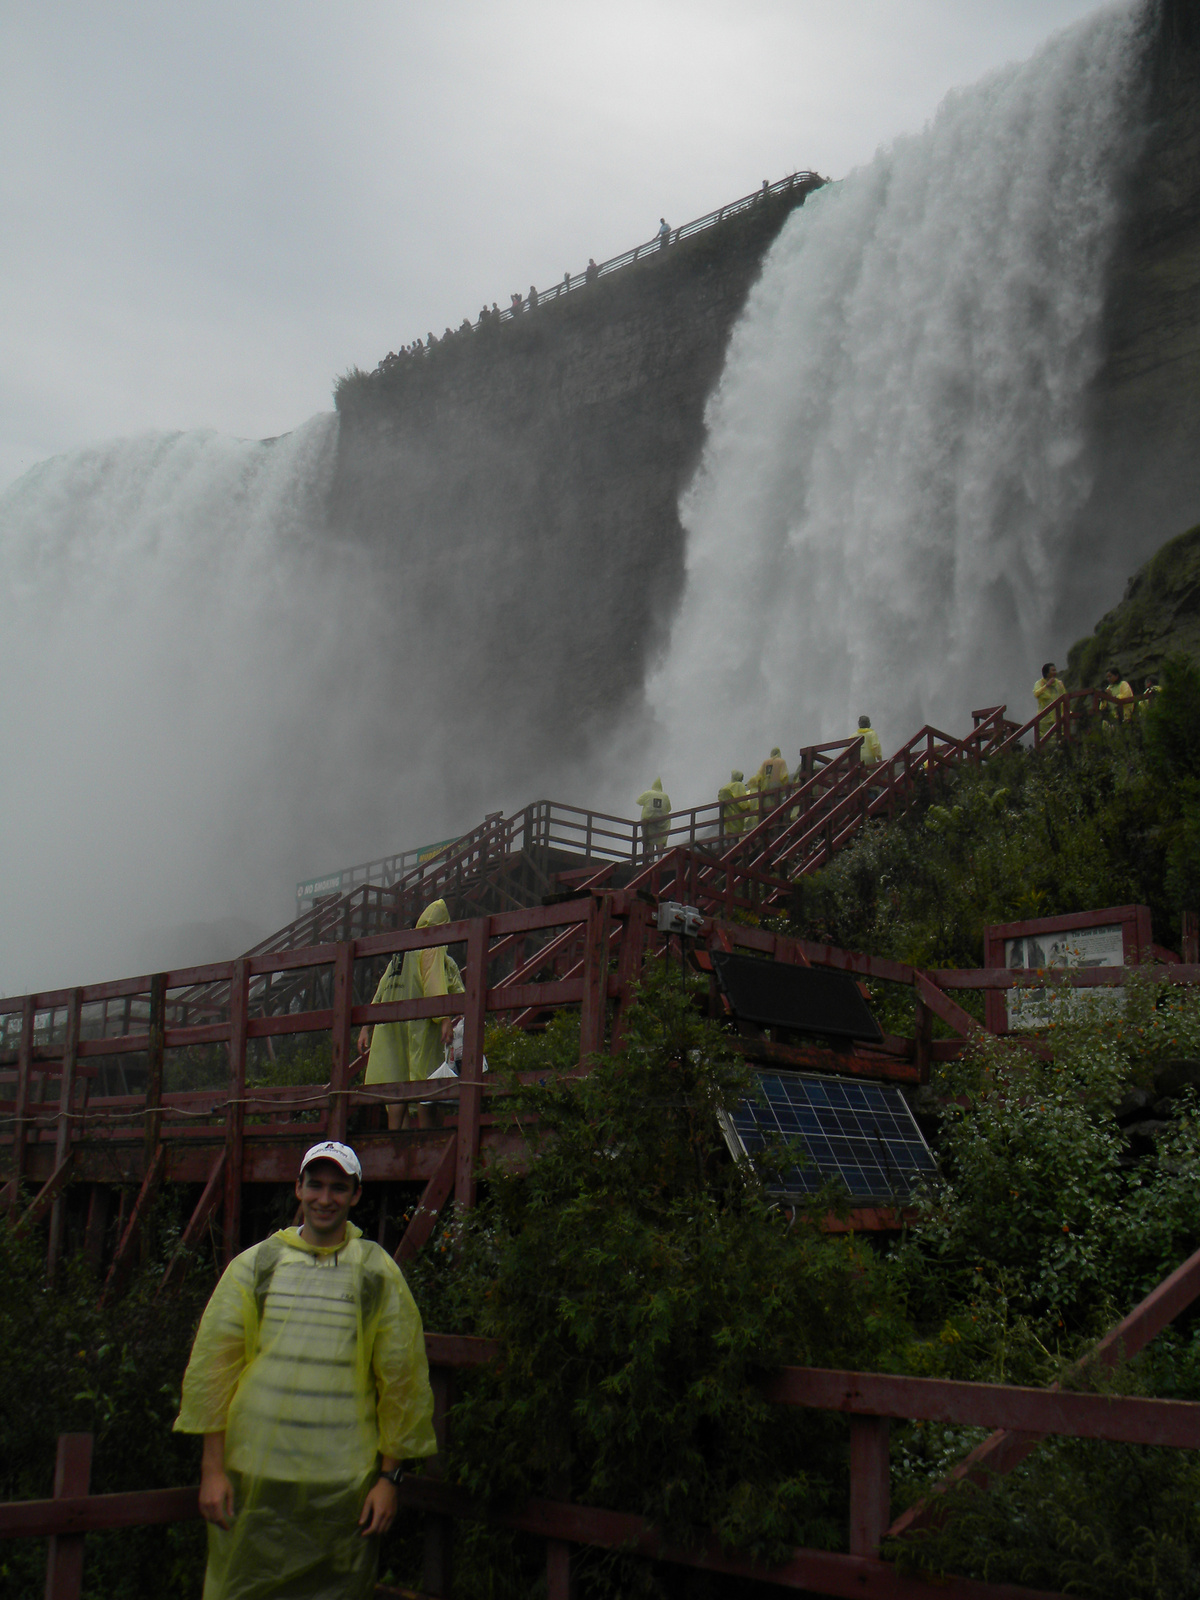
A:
736,803
1046,691
656,817
408,1052
1116,686
309,1382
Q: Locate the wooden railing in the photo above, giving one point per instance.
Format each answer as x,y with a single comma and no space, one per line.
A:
870,1400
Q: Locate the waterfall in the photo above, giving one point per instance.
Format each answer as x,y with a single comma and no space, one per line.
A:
897,450
180,720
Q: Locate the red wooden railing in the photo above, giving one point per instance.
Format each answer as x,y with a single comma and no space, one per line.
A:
870,1400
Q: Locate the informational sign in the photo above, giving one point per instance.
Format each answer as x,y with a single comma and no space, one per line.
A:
311,888
1102,946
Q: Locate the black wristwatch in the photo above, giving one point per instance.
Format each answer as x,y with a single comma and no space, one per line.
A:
394,1477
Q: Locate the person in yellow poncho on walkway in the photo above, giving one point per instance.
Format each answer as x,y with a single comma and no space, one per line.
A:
1046,691
309,1382
772,775
408,1052
656,817
736,804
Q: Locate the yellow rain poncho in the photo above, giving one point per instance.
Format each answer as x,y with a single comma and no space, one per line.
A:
772,775
1046,691
870,751
407,1052
312,1362
737,803
656,815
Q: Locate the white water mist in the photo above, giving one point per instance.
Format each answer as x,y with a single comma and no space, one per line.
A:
897,446
178,653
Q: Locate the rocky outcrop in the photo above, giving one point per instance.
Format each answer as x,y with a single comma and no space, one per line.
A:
1158,616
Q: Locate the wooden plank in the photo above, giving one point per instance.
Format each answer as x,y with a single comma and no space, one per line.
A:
235,1110
72,1478
210,1198
154,1063
942,1006
21,1124
812,1058
64,1132
1125,1419
1005,1449
342,1048
870,1491
123,1258
594,1004
46,1195
469,1104
460,1350
434,1196
97,1513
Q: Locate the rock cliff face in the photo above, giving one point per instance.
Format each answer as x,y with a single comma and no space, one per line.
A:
521,482
1146,401
1159,615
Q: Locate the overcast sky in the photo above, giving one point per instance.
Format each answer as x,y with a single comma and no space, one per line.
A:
209,210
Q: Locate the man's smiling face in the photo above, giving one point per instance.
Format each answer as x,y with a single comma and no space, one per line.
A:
326,1194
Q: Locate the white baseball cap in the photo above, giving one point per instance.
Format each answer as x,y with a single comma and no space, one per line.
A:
340,1154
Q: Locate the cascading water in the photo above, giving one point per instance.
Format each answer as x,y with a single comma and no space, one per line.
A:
897,449
180,703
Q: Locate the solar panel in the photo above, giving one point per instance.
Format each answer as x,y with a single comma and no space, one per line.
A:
775,994
860,1132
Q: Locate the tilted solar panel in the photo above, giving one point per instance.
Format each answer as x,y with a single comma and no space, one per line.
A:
808,999
858,1131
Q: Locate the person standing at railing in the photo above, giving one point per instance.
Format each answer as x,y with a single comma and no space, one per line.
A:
1046,691
533,298
769,778
407,1052
870,751
736,803
591,272
656,818
1150,689
309,1382
1116,686
664,233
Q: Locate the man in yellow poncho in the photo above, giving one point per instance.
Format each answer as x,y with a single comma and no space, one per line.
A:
736,804
1046,691
309,1382
772,775
656,817
870,751
408,1052
1116,686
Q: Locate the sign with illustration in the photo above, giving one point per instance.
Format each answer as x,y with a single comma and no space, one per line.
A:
1114,936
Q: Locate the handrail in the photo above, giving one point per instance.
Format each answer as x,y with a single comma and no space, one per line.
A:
803,181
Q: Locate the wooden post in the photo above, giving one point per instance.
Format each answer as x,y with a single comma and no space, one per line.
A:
72,1478
1191,938
870,1491
595,978
96,1231
339,1075
62,1141
470,1093
439,1531
559,1585
235,1111
154,1063
20,1127
923,1040
629,966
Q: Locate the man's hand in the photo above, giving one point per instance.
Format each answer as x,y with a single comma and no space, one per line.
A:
447,1030
216,1498
379,1509
364,1041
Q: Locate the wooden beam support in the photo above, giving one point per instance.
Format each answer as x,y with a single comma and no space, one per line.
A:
342,1048
210,1199
21,1125
154,1062
469,1097
870,1486
235,1111
123,1259
72,1478
433,1197
63,1136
